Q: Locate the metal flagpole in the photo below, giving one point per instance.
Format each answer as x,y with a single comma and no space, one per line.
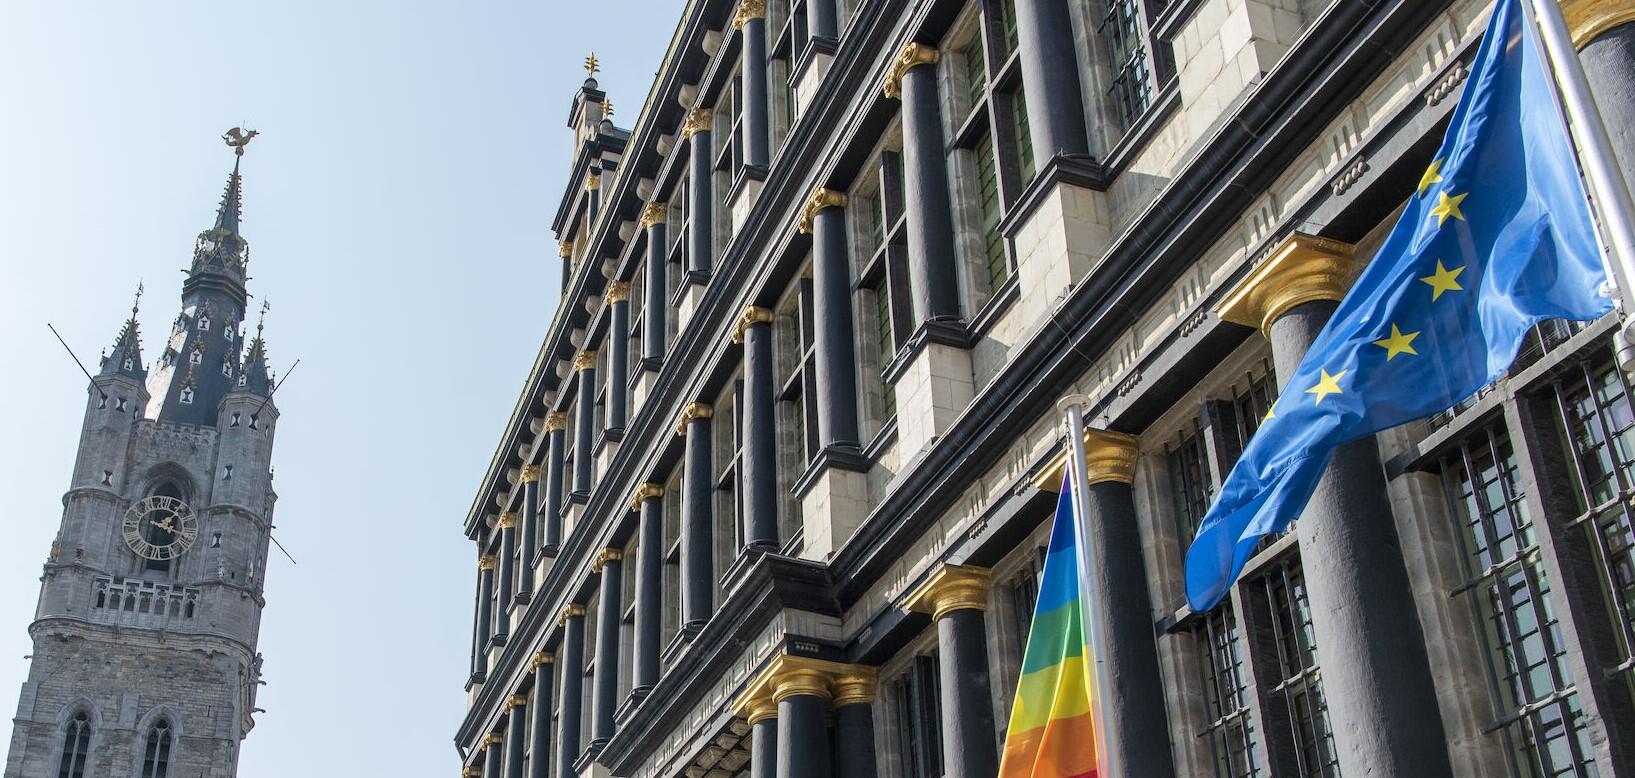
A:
1609,192
1074,406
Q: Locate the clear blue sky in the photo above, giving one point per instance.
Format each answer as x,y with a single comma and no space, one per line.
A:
398,206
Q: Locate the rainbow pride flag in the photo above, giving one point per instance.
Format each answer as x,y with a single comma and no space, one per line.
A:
1052,730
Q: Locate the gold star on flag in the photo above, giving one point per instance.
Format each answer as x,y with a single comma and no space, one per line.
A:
1433,175
1326,385
1398,343
1444,280
1447,206
1271,413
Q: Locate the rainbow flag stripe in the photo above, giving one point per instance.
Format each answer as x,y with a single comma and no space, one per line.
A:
1052,732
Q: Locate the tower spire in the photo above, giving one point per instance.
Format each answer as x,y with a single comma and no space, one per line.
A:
126,357
232,200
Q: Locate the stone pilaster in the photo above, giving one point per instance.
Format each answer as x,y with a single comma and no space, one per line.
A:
655,308
529,537
932,270
507,527
584,428
649,502
697,520
1050,74
617,299
516,732
539,763
1376,673
493,755
760,482
956,597
572,622
825,219
750,20
482,629
700,196
556,424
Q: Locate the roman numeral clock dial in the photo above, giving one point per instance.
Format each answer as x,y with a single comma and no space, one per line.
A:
160,528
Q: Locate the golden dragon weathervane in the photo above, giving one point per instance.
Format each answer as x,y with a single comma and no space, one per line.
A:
237,138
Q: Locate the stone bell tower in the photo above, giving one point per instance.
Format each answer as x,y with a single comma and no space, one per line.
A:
144,659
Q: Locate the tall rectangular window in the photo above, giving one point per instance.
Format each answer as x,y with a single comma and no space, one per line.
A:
882,284
796,338
1299,685
1540,718
1190,485
919,726
728,448
1137,64
1231,727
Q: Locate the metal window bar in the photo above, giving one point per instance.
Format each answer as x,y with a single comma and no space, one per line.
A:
1231,730
1301,686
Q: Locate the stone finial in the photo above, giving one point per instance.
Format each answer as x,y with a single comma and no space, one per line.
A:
564,249
747,10
1108,455
603,557
569,611
530,474
1304,269
752,315
644,493
556,421
617,291
912,55
951,588
508,520
697,121
584,360
821,198
653,213
692,411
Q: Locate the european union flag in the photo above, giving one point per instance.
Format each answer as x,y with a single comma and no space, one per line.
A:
1497,238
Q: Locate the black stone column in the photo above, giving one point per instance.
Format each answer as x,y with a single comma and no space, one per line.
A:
507,525
556,424
697,521
539,760
482,629
1133,712
824,18
565,251
956,597
1608,55
700,196
573,688
760,486
584,427
609,565
751,22
654,305
763,741
825,218
1376,673
618,352
493,748
802,696
1050,74
932,272
515,734
593,194
530,532
649,500
854,723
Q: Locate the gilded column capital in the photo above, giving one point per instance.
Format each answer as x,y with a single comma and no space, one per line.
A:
1304,269
617,291
556,421
485,562
698,120
747,10
492,739
603,557
760,709
912,55
644,493
854,685
821,198
1108,455
584,360
951,588
569,611
691,412
472,772
1587,19
752,315
653,213
530,474
508,520
541,659
797,679
564,249
515,701
593,182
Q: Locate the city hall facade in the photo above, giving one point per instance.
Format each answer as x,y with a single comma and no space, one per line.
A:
774,498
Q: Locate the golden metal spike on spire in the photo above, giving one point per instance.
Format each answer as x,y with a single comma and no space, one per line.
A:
262,321
237,138
607,107
591,65
136,304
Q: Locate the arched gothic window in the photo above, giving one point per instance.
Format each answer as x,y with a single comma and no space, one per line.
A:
156,757
76,746
204,322
187,395
196,357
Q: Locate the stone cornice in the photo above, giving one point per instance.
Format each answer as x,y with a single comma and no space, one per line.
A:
1304,269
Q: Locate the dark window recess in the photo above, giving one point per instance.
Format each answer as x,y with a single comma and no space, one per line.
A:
156,755
76,747
919,703
1136,65
1231,727
1300,681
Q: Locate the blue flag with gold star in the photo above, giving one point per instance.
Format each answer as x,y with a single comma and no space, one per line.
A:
1497,238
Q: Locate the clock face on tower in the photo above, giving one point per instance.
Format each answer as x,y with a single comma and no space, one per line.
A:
160,527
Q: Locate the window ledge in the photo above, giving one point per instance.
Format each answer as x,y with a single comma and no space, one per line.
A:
1169,23
1124,152
609,435
808,57
996,307
848,458
1061,169
740,182
948,333
885,437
